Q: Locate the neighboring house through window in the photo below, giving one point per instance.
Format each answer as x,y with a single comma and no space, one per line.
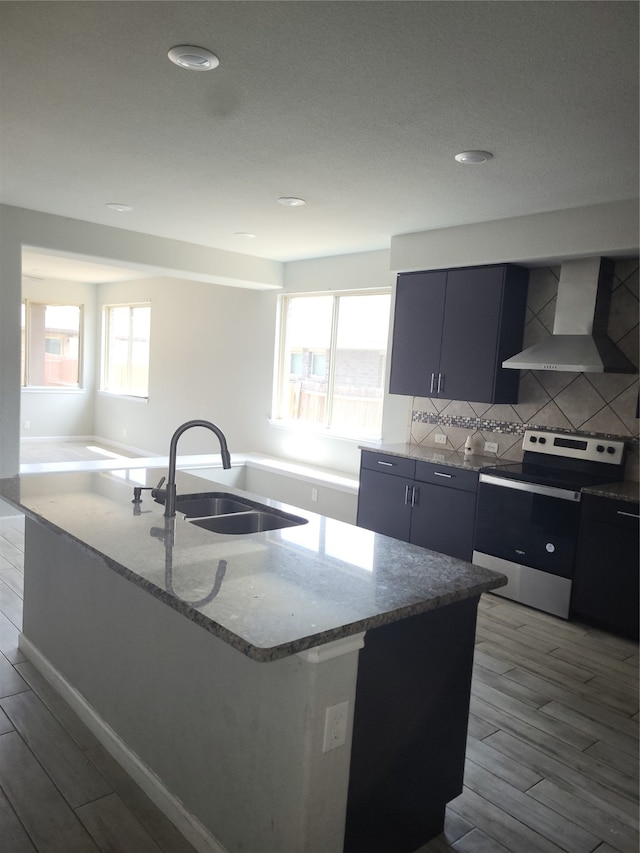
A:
125,351
50,345
331,370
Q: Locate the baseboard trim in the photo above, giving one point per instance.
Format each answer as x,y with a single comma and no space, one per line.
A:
34,439
169,805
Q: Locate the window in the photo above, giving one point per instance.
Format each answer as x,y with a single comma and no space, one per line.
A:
333,351
125,356
50,345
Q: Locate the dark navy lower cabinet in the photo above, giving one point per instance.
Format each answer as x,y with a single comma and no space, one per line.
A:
420,502
605,586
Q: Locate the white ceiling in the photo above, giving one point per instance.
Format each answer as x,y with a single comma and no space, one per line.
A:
357,107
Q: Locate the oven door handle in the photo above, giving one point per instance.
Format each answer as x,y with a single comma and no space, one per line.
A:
533,488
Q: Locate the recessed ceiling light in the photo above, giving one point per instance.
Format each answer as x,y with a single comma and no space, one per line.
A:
291,201
119,208
246,234
474,157
193,58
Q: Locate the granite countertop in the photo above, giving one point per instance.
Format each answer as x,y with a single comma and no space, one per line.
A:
627,490
269,595
624,491
435,455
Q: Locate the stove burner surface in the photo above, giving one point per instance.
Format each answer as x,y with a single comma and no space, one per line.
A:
529,472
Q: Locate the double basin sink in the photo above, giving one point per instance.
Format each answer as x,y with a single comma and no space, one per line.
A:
221,512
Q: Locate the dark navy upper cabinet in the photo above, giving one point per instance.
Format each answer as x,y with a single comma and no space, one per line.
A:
454,328
417,332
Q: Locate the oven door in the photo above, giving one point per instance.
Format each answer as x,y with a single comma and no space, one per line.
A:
528,524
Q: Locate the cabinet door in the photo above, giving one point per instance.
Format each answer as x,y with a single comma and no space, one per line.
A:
443,520
470,334
417,332
382,504
605,586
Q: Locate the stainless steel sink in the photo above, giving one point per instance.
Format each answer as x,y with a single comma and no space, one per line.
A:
223,512
209,503
247,522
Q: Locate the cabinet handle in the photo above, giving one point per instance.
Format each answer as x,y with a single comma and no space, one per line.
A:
389,464
406,494
415,496
433,379
440,383
628,514
442,474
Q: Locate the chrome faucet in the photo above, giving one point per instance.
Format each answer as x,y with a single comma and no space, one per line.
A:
170,496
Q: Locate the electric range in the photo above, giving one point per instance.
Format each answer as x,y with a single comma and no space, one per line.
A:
528,514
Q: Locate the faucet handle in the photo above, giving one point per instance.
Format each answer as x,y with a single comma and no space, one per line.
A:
157,492
138,490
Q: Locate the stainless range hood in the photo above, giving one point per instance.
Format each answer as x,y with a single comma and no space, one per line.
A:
579,342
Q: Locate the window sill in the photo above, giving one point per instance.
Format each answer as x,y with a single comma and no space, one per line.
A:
51,389
130,397
309,429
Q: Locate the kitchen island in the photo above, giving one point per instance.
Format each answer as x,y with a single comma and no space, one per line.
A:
301,690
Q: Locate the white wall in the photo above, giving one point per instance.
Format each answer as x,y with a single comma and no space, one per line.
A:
64,412
10,296
210,357
538,239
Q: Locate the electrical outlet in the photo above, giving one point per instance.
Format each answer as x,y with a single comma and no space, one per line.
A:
491,446
335,726
314,495
440,438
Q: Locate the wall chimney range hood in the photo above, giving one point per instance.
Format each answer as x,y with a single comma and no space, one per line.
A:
579,342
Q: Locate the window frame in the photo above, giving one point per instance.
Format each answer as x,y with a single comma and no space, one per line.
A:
280,363
105,348
26,338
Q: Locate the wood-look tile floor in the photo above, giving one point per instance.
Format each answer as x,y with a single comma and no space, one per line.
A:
552,755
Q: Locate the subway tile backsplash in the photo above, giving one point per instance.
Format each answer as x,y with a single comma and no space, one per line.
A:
603,404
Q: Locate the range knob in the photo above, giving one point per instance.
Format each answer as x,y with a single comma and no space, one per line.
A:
600,448
534,438
543,440
611,449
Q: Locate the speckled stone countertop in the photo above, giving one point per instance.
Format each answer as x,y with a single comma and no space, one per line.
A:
435,455
269,595
627,490
624,491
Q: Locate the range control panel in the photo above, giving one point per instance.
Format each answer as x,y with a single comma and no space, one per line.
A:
574,446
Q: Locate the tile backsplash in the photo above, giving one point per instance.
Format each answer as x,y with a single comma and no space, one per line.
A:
602,404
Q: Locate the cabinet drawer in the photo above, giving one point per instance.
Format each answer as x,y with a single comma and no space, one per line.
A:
388,464
445,475
610,510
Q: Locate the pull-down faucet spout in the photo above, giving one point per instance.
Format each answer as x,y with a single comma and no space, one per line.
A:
170,500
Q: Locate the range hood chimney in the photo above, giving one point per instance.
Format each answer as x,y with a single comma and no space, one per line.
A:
579,342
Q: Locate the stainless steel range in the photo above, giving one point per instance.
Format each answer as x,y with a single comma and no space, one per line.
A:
528,514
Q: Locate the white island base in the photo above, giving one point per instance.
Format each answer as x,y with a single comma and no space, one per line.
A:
232,749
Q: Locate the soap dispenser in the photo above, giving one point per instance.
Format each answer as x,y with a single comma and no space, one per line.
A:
468,446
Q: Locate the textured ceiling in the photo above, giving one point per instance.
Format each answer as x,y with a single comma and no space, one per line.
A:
358,107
